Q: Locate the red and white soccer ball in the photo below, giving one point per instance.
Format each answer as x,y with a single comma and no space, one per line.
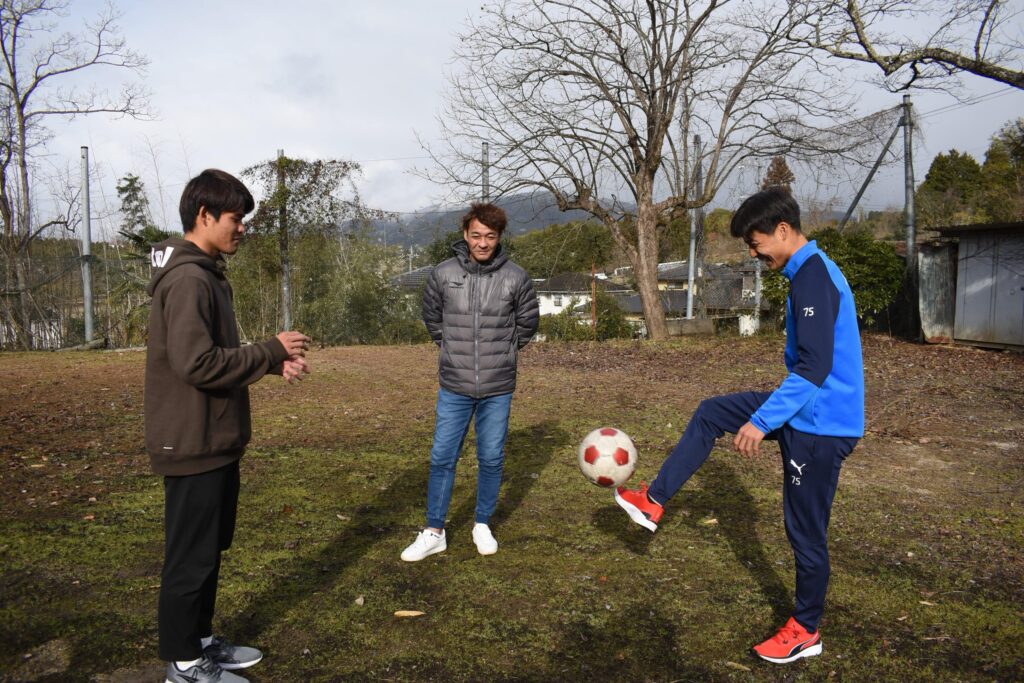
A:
607,457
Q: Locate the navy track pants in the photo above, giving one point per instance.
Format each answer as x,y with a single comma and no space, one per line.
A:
810,467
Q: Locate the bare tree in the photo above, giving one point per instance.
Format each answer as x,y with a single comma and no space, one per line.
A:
39,79
595,102
937,39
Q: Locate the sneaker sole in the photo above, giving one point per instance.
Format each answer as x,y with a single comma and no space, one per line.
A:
812,651
635,513
235,666
426,554
237,677
488,551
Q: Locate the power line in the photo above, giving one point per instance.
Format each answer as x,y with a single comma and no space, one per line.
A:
970,102
373,161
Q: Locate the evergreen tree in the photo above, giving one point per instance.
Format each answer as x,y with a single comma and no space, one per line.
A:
140,232
441,248
871,266
950,192
1002,174
778,175
137,226
559,248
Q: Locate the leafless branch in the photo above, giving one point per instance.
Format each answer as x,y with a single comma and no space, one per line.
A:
940,39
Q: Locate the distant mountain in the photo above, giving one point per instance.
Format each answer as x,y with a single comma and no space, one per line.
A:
525,214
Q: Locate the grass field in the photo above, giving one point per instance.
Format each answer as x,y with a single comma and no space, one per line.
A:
927,532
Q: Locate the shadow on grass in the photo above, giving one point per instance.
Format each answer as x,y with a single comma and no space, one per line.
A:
528,450
639,643
613,520
724,495
723,491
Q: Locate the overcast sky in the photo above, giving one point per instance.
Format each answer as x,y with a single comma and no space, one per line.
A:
233,81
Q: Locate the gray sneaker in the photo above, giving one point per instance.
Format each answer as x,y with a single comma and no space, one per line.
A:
204,671
230,657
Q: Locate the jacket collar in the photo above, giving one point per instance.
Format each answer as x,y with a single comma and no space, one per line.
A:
796,260
461,249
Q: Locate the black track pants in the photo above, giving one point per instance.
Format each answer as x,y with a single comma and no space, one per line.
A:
199,523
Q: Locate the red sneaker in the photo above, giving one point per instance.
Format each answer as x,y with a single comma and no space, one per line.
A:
790,643
641,510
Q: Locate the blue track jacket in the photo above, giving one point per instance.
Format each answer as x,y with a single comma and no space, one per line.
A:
824,391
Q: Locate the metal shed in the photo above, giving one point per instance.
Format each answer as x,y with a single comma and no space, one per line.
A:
988,294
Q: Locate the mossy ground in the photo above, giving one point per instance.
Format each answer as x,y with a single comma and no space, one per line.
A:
927,532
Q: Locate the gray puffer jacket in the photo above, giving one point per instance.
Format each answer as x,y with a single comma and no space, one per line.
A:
480,314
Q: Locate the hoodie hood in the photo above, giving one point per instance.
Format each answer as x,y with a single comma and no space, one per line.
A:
167,255
461,250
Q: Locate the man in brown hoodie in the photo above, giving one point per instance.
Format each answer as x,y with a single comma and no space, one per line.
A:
198,421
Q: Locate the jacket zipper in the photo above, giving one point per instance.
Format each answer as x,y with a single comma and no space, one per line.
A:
474,302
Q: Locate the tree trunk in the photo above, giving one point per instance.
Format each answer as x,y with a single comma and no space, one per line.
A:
23,228
646,267
282,237
13,305
16,297
23,324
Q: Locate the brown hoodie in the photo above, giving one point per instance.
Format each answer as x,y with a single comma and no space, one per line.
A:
197,372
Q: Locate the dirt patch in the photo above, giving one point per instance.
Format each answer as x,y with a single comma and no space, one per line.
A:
49,659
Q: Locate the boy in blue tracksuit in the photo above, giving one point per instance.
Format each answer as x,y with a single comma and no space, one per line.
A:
816,414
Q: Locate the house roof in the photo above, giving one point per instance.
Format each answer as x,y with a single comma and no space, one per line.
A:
572,283
949,230
679,271
721,289
673,301
674,270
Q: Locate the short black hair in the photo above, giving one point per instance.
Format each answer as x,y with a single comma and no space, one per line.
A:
762,212
491,215
216,190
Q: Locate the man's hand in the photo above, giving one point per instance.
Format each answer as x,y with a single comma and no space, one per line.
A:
293,369
295,343
748,440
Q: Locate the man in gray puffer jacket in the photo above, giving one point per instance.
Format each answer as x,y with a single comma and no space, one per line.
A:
480,308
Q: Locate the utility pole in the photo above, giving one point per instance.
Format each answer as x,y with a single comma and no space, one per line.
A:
86,248
757,294
485,163
758,267
692,265
282,238
908,180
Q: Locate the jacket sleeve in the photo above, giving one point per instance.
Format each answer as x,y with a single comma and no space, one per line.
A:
527,312
192,351
814,307
433,306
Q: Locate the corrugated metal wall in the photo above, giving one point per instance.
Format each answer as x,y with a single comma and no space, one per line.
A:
990,290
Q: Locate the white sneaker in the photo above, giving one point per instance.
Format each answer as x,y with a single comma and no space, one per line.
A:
484,539
426,543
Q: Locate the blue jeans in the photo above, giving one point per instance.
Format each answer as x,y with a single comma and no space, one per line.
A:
454,412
